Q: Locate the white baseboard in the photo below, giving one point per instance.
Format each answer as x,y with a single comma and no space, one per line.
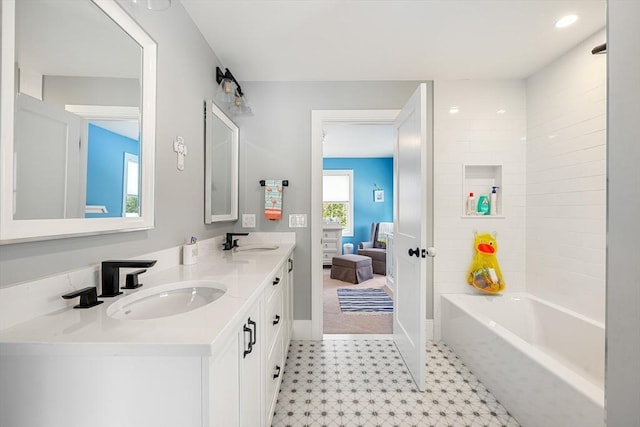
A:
429,329
302,330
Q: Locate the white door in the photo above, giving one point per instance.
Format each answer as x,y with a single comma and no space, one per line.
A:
47,162
412,216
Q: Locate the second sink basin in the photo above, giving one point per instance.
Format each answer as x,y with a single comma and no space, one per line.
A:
256,248
166,300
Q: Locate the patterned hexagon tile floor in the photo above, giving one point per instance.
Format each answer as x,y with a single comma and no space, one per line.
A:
345,383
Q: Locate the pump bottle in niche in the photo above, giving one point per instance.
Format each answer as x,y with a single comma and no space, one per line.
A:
493,202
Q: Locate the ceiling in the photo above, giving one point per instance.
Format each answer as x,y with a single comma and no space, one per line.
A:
328,40
352,40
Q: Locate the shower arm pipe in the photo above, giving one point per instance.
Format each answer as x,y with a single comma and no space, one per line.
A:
600,49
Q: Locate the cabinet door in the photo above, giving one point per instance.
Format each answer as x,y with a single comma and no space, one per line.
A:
224,396
250,375
288,304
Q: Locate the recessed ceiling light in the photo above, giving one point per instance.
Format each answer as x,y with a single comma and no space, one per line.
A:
501,111
565,21
454,110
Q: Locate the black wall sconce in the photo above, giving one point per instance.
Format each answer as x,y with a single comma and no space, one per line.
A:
231,93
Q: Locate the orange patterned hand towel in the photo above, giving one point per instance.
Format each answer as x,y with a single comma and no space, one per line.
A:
273,199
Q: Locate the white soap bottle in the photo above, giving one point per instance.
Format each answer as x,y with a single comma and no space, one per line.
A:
471,205
493,203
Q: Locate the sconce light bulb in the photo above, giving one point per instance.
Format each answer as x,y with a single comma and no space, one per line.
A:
227,86
238,101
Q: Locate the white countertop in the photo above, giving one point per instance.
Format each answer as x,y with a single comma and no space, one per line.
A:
196,333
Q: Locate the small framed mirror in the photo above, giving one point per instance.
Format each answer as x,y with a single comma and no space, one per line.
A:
221,166
77,120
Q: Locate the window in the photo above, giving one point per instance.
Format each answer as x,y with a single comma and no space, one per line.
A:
337,198
130,197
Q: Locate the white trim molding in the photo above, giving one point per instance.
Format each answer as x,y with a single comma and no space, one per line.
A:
318,119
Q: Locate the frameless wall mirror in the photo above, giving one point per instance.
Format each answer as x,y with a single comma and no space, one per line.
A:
221,166
77,120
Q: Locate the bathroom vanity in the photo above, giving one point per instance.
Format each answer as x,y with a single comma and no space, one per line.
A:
218,365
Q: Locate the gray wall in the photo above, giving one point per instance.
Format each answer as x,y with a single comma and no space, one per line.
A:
276,143
622,376
186,77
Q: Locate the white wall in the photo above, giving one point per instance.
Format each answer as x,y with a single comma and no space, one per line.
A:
477,134
566,180
622,376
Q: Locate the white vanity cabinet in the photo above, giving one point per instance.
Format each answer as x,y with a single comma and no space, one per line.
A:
245,376
276,329
172,379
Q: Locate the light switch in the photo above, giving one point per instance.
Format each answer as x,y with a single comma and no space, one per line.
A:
248,220
298,221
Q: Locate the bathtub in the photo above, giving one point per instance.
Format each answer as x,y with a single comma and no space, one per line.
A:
544,363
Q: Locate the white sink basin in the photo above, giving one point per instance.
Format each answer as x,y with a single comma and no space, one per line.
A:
256,248
166,300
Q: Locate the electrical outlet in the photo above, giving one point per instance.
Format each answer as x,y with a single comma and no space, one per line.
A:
298,221
248,220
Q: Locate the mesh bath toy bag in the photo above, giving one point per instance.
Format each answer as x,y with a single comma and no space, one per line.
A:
485,274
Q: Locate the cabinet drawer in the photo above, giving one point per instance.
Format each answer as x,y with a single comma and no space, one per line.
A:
327,256
330,245
330,234
274,372
274,318
276,285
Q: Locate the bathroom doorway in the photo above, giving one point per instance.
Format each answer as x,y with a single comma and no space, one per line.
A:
357,210
319,119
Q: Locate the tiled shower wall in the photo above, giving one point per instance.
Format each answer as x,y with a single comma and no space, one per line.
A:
566,181
478,134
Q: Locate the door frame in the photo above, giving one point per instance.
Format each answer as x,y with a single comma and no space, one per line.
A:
318,119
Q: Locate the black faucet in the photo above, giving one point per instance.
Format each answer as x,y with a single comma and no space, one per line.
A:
111,274
230,242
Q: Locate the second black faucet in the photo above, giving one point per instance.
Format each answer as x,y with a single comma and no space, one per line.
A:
230,242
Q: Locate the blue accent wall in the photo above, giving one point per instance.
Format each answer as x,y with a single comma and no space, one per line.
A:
105,169
367,173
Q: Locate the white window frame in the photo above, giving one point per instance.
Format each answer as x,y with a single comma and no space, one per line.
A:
348,230
130,158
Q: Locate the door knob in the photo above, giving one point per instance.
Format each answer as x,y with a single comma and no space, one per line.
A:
415,252
431,251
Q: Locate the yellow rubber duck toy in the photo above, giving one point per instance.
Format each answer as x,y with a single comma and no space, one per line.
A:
485,274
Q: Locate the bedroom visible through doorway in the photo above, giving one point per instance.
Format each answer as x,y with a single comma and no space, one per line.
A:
358,171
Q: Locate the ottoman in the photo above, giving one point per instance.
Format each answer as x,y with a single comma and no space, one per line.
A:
351,268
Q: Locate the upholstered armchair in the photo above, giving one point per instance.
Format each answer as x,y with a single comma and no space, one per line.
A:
376,247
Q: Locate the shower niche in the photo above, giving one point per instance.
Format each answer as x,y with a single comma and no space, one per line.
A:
479,180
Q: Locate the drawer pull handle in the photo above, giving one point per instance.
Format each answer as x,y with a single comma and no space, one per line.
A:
277,320
276,281
249,348
277,374
255,331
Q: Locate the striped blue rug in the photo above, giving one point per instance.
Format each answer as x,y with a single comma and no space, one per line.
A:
369,300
